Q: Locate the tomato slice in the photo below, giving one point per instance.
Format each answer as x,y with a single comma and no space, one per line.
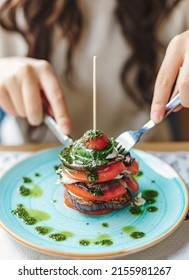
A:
134,168
110,172
132,184
107,195
106,174
96,143
94,213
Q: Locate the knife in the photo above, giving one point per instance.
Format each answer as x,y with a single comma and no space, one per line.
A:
53,126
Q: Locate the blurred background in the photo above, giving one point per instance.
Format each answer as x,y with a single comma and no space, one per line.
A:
179,125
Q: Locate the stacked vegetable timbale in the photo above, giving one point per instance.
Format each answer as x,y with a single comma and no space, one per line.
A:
97,174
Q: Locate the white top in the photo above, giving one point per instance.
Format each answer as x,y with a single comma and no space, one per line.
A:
102,37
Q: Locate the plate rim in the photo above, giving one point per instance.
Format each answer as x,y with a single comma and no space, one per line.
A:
115,254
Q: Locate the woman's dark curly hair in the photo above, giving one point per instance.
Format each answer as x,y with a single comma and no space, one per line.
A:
139,22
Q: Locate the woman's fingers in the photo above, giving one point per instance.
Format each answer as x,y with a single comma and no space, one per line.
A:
6,102
22,80
55,97
13,87
31,96
165,79
183,83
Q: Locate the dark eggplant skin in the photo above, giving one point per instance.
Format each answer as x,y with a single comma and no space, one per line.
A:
105,186
88,205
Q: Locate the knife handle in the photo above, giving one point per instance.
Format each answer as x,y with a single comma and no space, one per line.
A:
46,105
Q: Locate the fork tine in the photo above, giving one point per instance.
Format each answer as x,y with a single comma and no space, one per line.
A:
128,139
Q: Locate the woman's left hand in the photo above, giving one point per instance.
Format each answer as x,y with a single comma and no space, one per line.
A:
176,61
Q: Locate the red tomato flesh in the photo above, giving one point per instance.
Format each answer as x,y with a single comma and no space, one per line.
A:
134,168
94,213
106,174
98,143
132,184
107,195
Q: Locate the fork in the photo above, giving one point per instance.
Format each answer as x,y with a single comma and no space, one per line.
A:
129,138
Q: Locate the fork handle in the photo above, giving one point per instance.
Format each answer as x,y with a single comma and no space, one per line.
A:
171,105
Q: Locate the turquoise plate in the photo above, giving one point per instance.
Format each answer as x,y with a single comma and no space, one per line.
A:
118,233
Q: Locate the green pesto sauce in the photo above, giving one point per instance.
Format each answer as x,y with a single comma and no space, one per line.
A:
91,134
24,191
152,209
93,177
84,242
150,200
24,215
138,175
96,192
90,159
56,167
43,230
30,216
150,196
39,215
57,236
37,174
135,210
103,240
27,180
61,236
153,181
133,232
34,192
105,225
137,234
129,229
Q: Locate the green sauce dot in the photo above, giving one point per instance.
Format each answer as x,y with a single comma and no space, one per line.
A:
56,167
58,236
24,191
137,234
150,200
105,225
104,242
37,175
27,180
22,214
84,242
43,230
135,210
150,194
152,209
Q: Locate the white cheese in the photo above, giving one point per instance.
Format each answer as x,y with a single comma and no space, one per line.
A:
66,180
139,200
113,154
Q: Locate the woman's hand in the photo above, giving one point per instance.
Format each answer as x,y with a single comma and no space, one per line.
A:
21,82
176,61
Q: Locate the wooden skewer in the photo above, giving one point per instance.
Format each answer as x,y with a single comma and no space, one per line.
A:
94,93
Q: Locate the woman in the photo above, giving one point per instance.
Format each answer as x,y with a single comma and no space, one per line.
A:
129,39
